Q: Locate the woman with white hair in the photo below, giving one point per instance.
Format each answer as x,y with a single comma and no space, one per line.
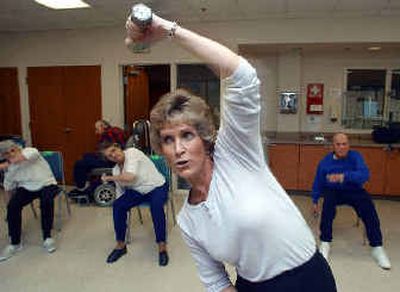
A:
27,177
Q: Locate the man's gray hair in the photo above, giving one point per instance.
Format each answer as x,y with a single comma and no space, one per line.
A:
6,145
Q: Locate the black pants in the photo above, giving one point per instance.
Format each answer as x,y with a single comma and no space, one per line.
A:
313,276
23,197
361,202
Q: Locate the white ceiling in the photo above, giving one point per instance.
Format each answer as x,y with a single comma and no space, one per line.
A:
27,15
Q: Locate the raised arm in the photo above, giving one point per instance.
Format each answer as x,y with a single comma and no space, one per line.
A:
221,59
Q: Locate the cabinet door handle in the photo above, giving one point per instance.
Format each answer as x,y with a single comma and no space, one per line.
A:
67,130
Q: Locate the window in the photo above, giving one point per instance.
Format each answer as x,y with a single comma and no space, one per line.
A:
364,100
201,81
394,100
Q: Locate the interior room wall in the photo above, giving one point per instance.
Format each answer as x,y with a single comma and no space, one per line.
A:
330,68
104,46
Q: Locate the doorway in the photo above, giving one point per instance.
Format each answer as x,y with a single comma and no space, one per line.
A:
10,109
64,104
143,87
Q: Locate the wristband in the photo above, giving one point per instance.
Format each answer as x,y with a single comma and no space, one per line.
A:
172,30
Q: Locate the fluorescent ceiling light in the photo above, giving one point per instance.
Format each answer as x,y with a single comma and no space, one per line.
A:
63,4
374,48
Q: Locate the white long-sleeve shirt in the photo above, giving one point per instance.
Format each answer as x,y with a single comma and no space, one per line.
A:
248,220
146,174
32,174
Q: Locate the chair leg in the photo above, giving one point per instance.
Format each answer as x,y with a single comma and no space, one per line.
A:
34,210
171,200
128,238
357,223
67,202
364,232
140,215
59,213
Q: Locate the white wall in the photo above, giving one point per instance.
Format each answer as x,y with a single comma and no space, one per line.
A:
105,47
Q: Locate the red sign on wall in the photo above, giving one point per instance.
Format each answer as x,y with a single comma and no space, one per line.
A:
315,98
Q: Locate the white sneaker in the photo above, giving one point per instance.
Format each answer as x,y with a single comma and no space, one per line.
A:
324,249
379,255
9,251
50,245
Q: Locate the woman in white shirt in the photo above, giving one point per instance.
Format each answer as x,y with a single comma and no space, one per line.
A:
27,177
137,180
236,211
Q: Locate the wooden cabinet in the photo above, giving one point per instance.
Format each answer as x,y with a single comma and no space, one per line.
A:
283,162
310,156
392,171
295,166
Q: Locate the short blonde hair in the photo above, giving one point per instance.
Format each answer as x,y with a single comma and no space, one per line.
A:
179,107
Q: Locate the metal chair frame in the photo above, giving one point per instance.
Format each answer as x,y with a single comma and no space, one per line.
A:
56,163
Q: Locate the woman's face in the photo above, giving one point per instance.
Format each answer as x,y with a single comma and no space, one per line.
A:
184,150
114,154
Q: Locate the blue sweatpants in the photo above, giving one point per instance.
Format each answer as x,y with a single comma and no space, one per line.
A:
362,203
156,200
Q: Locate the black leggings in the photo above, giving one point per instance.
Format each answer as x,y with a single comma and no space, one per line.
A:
23,197
313,276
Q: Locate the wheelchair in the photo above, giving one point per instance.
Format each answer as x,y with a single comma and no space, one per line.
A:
99,193
103,194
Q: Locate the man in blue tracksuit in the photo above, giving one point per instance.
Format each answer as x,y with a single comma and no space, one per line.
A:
340,178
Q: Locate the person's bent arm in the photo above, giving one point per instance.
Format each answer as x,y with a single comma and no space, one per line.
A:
212,273
360,174
220,58
316,189
317,185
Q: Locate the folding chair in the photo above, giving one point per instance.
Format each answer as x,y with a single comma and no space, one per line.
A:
317,217
163,168
56,162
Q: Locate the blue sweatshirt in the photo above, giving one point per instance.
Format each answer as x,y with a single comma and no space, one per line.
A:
353,167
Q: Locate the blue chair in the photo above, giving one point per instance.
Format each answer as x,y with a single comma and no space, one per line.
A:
163,168
56,162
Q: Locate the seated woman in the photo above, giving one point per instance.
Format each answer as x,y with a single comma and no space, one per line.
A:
27,177
137,180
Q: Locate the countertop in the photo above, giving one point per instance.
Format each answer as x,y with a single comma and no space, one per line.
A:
324,139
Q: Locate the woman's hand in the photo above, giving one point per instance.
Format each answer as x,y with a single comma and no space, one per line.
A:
315,210
106,178
155,31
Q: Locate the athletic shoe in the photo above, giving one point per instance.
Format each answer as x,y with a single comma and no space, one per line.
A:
9,251
50,245
324,249
379,255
